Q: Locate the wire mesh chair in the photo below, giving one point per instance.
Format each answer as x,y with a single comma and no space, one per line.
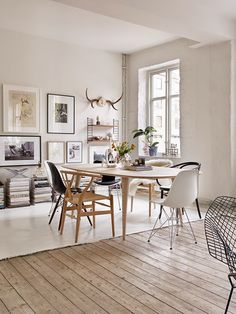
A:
220,230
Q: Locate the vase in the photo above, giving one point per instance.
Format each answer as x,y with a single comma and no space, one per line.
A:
124,161
153,151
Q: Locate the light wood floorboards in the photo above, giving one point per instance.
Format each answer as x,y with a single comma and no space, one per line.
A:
116,276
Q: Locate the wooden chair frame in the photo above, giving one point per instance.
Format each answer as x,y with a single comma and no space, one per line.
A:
84,199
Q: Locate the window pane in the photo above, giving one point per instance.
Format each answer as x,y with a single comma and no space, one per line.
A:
159,123
175,123
159,85
174,82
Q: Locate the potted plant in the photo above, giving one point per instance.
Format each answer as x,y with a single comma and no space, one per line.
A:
148,133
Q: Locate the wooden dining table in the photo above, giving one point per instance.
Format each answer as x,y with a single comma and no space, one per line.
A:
125,175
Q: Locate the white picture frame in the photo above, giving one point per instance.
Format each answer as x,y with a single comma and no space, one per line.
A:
60,114
74,151
56,152
21,109
97,153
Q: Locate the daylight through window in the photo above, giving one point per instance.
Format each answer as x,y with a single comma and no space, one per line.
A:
164,108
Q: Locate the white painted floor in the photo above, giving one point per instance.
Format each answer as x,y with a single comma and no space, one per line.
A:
25,230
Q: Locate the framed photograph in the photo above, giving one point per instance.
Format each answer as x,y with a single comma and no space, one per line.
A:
97,153
20,109
74,151
20,150
56,152
61,114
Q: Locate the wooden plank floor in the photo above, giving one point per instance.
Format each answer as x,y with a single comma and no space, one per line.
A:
115,276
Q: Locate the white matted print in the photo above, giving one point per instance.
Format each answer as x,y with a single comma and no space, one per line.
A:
74,151
61,114
20,109
97,153
56,152
20,150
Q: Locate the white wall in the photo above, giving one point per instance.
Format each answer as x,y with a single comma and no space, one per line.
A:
61,68
205,108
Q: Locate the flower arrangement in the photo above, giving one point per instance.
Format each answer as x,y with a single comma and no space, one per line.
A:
123,148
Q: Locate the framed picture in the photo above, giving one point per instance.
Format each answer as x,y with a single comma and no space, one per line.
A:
74,151
61,114
56,152
20,150
20,109
97,153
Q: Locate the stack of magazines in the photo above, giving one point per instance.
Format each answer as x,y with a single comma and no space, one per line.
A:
18,192
41,190
2,200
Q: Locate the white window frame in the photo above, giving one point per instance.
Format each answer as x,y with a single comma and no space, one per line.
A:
167,98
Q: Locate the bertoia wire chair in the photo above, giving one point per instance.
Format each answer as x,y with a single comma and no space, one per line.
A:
220,230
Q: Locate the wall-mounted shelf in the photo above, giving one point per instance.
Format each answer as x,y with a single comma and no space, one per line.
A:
94,136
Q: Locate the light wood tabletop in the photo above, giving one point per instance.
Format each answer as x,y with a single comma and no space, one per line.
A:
155,173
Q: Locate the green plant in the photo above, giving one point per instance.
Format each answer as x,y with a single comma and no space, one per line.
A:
148,133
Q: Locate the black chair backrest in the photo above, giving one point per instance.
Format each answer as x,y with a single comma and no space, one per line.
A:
105,178
188,164
57,182
220,230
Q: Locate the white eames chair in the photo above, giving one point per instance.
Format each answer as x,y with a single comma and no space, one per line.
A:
183,192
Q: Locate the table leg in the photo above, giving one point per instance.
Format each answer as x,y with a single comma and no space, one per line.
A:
125,188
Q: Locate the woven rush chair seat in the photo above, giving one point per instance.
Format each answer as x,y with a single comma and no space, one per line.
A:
85,201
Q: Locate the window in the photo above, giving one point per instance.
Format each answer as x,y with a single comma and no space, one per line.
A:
164,108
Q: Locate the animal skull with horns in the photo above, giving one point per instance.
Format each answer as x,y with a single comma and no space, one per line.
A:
101,101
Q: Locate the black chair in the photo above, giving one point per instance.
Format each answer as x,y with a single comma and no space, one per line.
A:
59,187
166,188
110,182
220,230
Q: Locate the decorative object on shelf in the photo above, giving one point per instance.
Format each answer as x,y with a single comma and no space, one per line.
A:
56,152
61,114
100,129
101,101
123,149
97,154
74,151
150,146
97,121
20,150
20,109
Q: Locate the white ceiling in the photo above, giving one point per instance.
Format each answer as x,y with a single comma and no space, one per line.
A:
121,25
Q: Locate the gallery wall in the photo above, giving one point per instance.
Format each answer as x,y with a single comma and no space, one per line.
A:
60,68
206,107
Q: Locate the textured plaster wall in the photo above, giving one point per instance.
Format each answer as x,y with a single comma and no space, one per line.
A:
205,108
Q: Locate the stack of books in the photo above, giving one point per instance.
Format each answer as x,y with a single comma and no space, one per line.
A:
18,192
40,190
2,199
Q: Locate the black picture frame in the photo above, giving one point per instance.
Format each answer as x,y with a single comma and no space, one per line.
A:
60,114
20,150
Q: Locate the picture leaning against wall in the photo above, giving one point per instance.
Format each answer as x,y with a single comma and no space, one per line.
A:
20,150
